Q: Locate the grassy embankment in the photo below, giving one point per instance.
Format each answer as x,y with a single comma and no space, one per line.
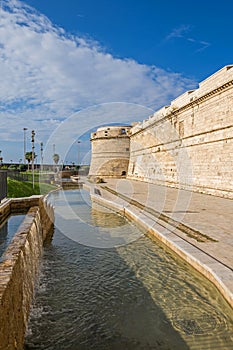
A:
18,189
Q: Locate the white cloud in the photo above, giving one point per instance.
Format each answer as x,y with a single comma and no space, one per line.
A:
181,32
47,74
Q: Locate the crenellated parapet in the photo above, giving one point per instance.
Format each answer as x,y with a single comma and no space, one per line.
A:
216,84
109,132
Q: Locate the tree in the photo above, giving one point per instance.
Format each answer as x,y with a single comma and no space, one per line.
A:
56,158
28,157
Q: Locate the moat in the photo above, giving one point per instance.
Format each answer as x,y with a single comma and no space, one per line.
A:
95,292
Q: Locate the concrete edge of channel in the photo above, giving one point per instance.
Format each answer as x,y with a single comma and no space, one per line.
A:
210,268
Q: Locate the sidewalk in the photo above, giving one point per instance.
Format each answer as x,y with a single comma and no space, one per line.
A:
197,226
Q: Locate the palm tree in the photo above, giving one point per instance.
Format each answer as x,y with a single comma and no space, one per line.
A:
28,157
56,158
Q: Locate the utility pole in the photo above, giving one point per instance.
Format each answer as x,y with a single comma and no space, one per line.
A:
33,153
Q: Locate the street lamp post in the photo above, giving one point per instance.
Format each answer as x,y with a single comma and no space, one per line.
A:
78,142
33,150
54,164
24,145
41,156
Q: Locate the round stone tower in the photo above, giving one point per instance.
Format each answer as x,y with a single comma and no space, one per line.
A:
110,152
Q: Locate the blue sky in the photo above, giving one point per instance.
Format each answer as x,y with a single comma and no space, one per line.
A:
62,57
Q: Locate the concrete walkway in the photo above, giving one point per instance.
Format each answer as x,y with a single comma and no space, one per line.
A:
196,226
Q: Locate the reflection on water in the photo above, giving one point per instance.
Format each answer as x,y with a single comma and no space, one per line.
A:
136,296
106,218
8,229
91,225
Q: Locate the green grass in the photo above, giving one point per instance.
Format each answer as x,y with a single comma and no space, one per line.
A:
36,176
18,189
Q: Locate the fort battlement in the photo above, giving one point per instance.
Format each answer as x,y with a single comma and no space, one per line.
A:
212,85
111,132
110,151
188,144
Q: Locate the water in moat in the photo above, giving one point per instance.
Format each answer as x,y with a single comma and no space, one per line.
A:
97,292
8,229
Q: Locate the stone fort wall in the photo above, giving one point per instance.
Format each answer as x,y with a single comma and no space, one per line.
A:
189,144
19,267
110,152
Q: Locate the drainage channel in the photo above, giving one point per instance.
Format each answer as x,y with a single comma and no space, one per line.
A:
104,285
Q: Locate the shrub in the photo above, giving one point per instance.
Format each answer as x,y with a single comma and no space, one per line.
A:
23,167
12,167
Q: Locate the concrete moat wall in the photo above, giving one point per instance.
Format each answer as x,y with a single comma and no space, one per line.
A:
110,152
18,269
189,144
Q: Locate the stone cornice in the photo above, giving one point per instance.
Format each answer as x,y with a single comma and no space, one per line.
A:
109,137
206,96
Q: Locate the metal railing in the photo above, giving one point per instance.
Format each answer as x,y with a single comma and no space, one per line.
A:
3,184
17,175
